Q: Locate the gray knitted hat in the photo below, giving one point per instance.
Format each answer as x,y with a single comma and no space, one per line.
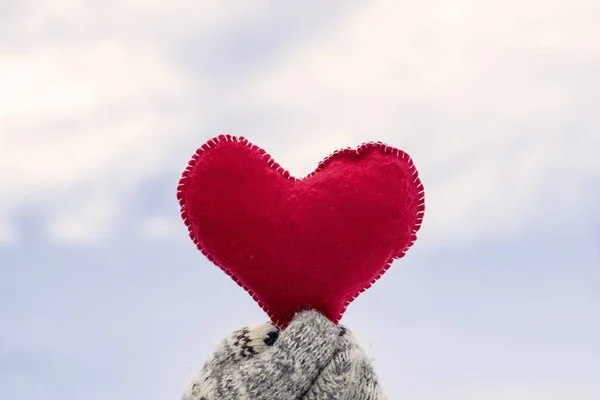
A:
312,359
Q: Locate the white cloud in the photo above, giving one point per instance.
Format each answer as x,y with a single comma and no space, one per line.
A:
89,221
484,95
7,233
161,227
83,120
91,104
492,100
127,20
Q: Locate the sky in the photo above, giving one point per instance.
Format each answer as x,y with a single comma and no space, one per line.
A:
102,103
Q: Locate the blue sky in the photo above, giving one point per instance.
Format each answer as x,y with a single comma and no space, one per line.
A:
103,295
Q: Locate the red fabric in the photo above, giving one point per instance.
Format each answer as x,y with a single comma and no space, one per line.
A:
295,244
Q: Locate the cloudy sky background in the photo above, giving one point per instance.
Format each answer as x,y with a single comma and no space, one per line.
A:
103,295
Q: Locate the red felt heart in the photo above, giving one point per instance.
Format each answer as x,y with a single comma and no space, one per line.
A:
295,244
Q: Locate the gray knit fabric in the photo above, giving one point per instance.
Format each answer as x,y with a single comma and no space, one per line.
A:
312,359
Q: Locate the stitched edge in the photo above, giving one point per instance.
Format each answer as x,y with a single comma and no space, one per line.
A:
213,143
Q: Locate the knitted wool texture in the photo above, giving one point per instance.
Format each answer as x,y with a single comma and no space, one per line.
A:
312,359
